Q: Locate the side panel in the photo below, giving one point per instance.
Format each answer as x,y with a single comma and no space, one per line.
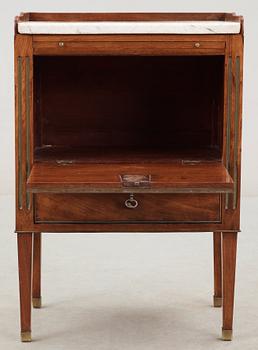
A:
233,127
23,127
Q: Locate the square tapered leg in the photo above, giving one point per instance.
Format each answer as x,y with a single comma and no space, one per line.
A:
217,297
25,269
36,276
229,245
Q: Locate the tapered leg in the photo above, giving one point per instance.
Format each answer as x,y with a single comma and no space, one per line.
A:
36,276
25,262
229,245
217,297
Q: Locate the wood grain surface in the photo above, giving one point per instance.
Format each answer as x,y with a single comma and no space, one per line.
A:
162,208
208,177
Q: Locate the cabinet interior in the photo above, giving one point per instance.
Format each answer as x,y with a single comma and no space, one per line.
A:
128,108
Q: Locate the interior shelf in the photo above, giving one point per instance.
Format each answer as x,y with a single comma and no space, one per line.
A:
210,177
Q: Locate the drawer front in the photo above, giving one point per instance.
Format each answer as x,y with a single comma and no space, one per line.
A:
129,47
111,208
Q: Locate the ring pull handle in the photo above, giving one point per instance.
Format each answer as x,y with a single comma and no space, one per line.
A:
131,203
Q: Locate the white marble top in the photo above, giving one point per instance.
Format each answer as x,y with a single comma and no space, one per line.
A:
130,27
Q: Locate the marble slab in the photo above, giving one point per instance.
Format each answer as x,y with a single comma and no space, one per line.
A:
164,27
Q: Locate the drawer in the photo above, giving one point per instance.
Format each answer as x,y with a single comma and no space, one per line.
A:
126,47
113,208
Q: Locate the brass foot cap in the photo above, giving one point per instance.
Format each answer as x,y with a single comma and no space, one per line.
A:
36,302
26,336
227,334
217,301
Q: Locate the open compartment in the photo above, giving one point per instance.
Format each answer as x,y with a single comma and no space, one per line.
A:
154,117
128,109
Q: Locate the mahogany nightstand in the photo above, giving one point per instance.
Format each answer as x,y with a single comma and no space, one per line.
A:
128,122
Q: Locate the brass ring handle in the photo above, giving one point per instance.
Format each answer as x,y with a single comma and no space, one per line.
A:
131,203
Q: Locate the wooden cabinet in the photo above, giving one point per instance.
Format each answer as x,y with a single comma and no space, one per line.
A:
128,122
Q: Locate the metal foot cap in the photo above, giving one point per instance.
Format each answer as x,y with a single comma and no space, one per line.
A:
36,302
217,301
227,334
26,336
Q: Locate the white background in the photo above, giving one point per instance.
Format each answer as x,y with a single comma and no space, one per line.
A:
249,9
